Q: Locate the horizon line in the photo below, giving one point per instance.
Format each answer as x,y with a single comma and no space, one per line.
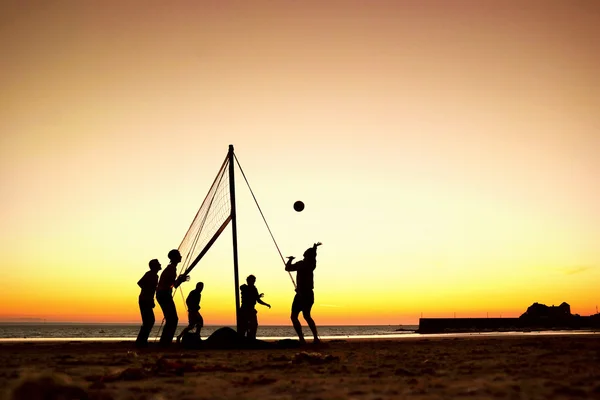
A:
179,324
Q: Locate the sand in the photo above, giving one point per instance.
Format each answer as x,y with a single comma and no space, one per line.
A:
474,367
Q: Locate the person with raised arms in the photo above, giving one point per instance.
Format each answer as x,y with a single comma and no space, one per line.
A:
305,297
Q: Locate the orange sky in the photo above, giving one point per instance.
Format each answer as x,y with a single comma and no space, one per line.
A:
446,153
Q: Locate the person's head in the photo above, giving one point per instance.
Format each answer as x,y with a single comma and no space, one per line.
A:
199,286
154,265
250,280
174,256
311,252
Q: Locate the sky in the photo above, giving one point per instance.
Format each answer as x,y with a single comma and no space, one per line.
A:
446,152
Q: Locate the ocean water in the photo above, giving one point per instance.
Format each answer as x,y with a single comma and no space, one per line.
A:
55,331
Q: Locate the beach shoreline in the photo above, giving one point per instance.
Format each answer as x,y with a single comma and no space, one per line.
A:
391,335
446,366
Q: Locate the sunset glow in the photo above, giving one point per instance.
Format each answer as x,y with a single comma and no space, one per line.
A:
446,152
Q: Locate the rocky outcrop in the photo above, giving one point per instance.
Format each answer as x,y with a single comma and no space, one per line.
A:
542,311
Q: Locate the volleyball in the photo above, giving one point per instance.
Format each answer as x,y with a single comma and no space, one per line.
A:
298,206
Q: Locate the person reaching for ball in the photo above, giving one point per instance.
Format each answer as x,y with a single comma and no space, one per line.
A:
304,298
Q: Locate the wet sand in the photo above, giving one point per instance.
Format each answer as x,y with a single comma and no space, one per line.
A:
474,367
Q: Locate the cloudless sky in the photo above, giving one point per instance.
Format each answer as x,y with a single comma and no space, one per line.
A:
447,153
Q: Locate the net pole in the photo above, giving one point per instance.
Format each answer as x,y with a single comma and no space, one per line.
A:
236,278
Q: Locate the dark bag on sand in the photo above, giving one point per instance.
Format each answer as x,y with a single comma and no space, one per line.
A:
191,340
227,338
222,338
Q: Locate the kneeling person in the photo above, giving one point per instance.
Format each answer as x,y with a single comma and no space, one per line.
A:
195,320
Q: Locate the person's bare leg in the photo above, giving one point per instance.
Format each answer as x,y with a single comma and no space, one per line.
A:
200,325
252,327
311,324
183,332
297,326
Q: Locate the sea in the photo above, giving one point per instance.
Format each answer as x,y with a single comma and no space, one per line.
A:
93,332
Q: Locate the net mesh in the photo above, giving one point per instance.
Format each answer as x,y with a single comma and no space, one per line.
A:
211,219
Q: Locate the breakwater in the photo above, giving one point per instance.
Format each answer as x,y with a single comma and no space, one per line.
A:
456,325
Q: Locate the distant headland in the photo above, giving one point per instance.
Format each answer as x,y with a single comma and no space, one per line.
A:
537,317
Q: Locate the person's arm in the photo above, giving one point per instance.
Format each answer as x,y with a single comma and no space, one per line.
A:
291,267
259,301
171,277
143,282
259,297
180,280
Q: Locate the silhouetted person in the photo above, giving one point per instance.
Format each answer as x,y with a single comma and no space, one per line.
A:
195,320
164,296
148,284
248,318
305,297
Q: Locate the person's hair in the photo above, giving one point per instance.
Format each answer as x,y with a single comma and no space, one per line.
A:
174,254
154,263
311,252
251,278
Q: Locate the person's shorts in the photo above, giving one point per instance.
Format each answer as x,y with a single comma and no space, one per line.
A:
303,302
248,313
195,318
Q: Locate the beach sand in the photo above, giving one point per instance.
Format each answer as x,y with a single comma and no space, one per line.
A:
474,367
